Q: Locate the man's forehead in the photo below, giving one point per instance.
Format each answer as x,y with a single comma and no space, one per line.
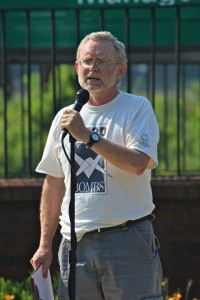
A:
102,48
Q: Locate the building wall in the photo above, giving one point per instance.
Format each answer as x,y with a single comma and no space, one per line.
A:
176,225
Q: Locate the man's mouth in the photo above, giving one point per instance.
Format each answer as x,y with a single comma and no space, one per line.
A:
92,78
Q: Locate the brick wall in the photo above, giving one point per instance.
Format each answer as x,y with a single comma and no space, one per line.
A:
177,227
19,227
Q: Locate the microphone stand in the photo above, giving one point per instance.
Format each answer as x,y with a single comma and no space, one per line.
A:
82,97
72,252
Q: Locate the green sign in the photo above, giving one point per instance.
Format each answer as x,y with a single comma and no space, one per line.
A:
91,3
90,20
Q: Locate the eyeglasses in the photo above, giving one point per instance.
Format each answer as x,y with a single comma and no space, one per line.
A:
101,64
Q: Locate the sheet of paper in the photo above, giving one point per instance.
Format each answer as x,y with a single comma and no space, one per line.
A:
41,287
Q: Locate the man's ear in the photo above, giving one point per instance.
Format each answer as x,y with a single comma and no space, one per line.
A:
76,66
122,70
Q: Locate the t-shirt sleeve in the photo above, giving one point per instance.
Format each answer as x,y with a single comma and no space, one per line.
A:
143,133
50,163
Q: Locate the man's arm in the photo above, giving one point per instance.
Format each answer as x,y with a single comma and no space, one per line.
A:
122,157
50,208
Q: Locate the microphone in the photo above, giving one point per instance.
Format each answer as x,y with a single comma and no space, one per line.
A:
82,97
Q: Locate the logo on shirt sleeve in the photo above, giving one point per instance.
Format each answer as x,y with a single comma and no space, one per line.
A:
143,140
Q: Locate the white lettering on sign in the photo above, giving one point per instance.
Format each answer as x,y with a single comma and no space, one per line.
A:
167,2
111,2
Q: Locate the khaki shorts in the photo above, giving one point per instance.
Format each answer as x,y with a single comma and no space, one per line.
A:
120,264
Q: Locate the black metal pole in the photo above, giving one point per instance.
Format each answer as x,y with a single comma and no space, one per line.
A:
28,59
153,62
177,54
5,94
53,62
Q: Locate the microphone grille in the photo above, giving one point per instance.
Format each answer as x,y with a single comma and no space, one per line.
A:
82,96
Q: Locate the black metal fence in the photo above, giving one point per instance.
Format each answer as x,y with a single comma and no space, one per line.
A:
38,78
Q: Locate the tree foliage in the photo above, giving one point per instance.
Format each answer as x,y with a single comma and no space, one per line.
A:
27,123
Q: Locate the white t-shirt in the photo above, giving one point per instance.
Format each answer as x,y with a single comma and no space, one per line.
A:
106,195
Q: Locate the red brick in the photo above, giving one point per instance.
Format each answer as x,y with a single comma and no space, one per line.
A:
177,212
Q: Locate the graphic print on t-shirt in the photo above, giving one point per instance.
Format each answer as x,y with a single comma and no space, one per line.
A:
90,170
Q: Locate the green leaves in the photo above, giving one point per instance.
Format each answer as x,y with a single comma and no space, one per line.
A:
21,290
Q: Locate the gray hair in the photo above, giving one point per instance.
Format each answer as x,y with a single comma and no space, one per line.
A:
105,36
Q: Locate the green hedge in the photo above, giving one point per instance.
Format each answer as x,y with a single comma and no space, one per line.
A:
10,289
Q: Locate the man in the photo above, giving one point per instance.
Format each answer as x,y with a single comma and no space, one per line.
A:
117,252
